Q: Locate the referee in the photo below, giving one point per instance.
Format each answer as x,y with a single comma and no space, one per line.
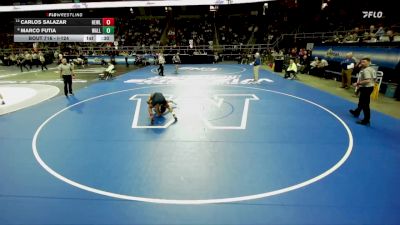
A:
366,86
66,73
176,60
161,62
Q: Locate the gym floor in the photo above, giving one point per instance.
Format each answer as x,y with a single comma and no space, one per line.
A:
273,152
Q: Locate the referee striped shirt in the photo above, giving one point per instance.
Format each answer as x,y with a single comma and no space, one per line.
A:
65,69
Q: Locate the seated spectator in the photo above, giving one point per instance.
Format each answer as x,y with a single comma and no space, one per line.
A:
244,59
108,73
390,34
379,33
304,65
322,65
313,65
79,61
353,36
103,62
318,67
369,36
291,70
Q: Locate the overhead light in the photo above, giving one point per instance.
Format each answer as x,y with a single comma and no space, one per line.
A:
265,7
213,8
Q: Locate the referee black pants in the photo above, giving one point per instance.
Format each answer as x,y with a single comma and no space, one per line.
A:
161,70
43,64
23,64
363,103
67,84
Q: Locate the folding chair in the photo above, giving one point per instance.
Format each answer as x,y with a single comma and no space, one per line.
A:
377,86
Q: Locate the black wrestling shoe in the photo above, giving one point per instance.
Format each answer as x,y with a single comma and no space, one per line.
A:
362,122
352,112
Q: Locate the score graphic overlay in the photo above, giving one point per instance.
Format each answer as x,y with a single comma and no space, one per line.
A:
64,30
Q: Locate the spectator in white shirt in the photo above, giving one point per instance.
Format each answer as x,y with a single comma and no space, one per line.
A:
291,70
108,73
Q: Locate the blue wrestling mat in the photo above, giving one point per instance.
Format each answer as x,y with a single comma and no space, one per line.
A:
242,152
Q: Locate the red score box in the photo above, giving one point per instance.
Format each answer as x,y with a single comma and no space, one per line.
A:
108,22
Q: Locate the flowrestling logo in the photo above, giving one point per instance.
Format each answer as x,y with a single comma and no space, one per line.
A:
372,14
198,80
331,54
97,60
202,69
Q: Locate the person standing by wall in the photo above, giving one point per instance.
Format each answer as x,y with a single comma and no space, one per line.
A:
22,62
347,69
42,60
126,55
161,62
35,59
176,60
28,59
256,65
366,86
